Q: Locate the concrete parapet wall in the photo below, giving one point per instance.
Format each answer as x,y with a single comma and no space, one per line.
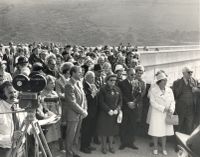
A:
172,61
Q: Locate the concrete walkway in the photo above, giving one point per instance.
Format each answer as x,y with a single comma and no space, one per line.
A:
142,143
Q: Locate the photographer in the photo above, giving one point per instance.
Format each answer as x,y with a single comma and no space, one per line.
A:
9,123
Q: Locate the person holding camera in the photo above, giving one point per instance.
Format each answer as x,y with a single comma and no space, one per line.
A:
9,122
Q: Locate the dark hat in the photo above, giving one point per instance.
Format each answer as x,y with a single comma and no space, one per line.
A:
97,67
67,46
37,66
64,53
22,60
109,76
85,67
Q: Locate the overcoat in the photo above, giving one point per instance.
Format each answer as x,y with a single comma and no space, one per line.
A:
158,101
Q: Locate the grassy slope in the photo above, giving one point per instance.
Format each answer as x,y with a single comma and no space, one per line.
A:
92,22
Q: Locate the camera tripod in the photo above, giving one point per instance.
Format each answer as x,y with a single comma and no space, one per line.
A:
31,121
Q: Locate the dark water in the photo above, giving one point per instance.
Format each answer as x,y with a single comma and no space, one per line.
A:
93,22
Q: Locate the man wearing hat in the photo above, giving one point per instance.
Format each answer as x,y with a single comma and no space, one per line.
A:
99,81
185,90
22,66
119,69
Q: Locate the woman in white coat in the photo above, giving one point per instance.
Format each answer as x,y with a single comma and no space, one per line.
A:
162,103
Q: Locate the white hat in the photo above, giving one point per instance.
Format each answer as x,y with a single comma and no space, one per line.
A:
119,67
161,76
139,67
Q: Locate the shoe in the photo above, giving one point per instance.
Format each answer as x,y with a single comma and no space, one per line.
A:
63,151
91,148
76,155
176,149
122,147
151,144
112,150
86,150
133,146
155,152
96,141
104,151
164,152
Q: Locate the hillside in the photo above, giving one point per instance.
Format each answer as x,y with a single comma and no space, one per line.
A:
93,22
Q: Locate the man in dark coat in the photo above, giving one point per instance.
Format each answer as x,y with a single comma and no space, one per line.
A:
185,90
99,82
129,109
88,123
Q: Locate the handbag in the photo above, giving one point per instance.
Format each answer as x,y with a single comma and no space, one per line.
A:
120,117
172,119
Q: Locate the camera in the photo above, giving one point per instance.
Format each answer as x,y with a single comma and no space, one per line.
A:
28,88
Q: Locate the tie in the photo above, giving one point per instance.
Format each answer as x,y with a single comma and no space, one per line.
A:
15,119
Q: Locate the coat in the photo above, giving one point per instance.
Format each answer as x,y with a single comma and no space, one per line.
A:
75,101
110,99
60,89
91,100
158,102
178,89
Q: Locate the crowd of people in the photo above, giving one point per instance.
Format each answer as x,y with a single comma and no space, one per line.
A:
101,95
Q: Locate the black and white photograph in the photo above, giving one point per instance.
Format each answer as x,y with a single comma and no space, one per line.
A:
99,78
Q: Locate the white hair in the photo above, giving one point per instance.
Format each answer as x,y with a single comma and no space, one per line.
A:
88,74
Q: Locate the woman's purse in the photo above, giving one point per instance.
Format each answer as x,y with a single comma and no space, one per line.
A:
120,117
172,119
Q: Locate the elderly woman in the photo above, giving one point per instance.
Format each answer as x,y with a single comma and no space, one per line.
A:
162,103
107,69
110,106
53,133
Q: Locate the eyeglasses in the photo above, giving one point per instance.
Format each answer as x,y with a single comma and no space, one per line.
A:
52,64
190,72
113,80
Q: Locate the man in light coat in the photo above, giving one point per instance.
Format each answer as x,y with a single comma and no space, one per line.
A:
76,109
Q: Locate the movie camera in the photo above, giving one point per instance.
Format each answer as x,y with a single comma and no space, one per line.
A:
29,87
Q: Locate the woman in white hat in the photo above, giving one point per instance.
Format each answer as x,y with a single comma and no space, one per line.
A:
162,102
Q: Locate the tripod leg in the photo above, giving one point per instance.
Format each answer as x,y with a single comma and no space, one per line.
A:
38,138
44,140
14,152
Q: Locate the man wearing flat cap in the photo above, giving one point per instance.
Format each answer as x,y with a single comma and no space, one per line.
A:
185,90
